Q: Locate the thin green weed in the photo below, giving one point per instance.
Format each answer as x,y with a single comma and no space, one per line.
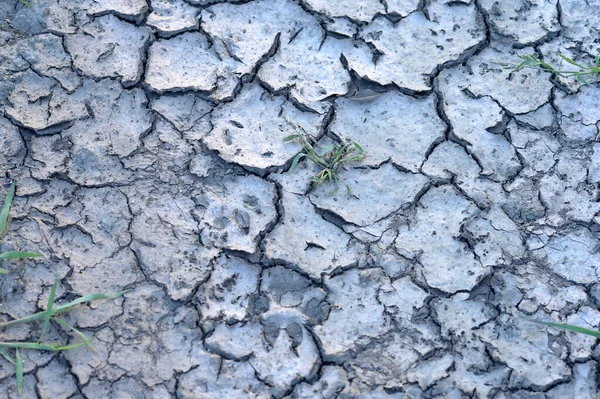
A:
330,159
570,327
580,71
48,316
3,228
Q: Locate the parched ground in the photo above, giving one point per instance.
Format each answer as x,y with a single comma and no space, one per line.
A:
146,140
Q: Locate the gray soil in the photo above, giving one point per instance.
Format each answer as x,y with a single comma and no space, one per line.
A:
146,140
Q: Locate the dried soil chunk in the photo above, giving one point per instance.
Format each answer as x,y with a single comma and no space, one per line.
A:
355,313
235,212
391,126
133,10
250,130
303,238
109,48
415,47
171,17
188,62
227,293
376,193
361,11
166,240
448,264
524,22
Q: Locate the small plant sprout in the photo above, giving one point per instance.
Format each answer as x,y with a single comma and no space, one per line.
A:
330,159
570,327
3,226
578,70
48,316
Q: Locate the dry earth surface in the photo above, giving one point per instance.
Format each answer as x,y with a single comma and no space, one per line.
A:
146,140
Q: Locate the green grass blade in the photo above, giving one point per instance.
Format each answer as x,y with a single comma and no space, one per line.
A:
297,158
354,158
310,150
69,347
6,208
570,61
62,308
3,271
26,319
84,337
19,255
330,175
582,80
326,150
316,159
8,358
529,61
89,298
41,346
337,157
571,327
19,371
27,345
358,147
291,137
49,310
550,68
594,71
349,190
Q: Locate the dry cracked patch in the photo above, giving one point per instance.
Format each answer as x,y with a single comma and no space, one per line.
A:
146,139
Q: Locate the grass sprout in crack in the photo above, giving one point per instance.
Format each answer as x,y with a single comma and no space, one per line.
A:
570,327
330,159
3,227
578,70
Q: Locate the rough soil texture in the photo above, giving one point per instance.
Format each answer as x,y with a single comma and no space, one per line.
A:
146,139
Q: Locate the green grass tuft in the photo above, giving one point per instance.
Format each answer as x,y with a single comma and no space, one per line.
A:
49,316
330,159
578,70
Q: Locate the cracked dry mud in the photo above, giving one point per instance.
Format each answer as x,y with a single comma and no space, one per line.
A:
146,139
